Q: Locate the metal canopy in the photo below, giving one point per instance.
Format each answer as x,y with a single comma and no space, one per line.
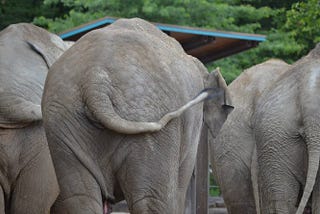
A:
206,45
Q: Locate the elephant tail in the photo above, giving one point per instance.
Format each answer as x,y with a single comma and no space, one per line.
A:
17,112
100,107
310,102
48,54
312,138
254,179
313,165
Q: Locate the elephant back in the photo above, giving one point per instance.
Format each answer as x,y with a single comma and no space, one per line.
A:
255,80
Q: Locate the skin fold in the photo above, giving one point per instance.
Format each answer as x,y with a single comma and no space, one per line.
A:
28,182
102,106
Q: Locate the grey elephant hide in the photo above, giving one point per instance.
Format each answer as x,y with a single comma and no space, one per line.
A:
23,72
286,130
101,104
231,152
28,182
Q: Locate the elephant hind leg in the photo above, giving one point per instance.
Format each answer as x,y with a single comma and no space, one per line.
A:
79,190
78,204
36,187
316,195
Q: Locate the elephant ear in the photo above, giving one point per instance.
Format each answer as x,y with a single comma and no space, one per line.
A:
16,112
222,84
215,79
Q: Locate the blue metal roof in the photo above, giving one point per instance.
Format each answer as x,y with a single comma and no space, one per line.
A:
87,27
206,45
163,27
212,33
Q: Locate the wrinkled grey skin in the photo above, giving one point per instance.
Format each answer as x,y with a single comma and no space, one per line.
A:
27,179
287,134
101,104
231,151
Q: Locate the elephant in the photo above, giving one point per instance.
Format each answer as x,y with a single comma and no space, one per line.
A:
28,182
119,122
286,126
232,149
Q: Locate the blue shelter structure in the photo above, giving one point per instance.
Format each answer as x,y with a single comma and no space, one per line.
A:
206,45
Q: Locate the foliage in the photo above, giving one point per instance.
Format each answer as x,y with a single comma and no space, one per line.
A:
202,13
291,33
214,189
18,11
291,26
303,23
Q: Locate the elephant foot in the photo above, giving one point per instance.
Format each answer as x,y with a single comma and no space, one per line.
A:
107,208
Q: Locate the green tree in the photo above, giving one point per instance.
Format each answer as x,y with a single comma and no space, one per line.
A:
292,29
290,25
18,11
303,24
202,13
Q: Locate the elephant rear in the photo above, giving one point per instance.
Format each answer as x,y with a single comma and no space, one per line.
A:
117,110
27,176
126,79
